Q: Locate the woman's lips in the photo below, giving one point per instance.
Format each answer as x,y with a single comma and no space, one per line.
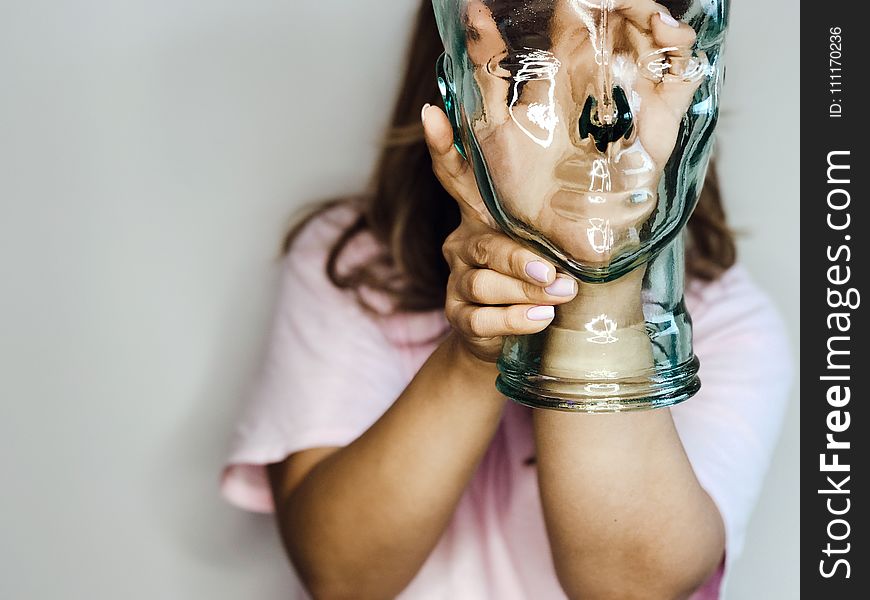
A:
621,209
593,227
624,170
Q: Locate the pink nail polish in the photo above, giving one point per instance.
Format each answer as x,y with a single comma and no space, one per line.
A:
562,287
540,313
668,20
538,271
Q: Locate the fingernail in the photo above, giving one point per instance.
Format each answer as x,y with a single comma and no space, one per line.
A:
423,112
668,20
563,286
540,313
538,271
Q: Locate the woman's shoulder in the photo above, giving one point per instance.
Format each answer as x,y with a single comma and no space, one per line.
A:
735,308
734,290
320,228
306,265
328,244
306,272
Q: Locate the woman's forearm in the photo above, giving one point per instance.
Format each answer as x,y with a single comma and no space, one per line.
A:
625,515
363,521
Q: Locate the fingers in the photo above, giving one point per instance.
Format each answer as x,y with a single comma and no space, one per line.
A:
685,68
648,16
668,32
482,322
450,168
671,59
497,287
483,286
639,12
496,251
672,72
439,139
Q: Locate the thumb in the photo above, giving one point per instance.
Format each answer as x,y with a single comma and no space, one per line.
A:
450,168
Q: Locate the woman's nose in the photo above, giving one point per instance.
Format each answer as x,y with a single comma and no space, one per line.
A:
606,121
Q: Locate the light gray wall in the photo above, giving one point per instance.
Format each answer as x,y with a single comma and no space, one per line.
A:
150,156
759,139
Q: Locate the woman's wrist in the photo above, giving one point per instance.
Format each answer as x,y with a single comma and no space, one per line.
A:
473,374
464,360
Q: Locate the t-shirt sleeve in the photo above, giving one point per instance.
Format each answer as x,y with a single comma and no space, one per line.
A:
729,429
328,374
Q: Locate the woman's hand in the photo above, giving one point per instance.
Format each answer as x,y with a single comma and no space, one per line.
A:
496,286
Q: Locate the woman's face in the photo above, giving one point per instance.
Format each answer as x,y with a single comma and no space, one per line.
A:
582,103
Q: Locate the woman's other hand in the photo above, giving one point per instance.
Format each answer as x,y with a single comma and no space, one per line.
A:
496,287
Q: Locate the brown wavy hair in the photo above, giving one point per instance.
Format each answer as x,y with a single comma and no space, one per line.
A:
410,214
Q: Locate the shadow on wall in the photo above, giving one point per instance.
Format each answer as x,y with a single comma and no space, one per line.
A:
227,542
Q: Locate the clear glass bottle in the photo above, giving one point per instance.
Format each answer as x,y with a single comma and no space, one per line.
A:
588,124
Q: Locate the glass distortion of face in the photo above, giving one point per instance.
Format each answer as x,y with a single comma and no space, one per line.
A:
588,124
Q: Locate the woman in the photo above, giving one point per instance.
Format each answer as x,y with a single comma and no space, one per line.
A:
394,467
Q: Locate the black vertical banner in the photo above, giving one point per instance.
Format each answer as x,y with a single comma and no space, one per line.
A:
835,362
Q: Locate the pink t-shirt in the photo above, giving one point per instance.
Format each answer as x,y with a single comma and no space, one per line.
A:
333,369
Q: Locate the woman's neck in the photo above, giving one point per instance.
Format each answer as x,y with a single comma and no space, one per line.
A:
601,333
619,301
